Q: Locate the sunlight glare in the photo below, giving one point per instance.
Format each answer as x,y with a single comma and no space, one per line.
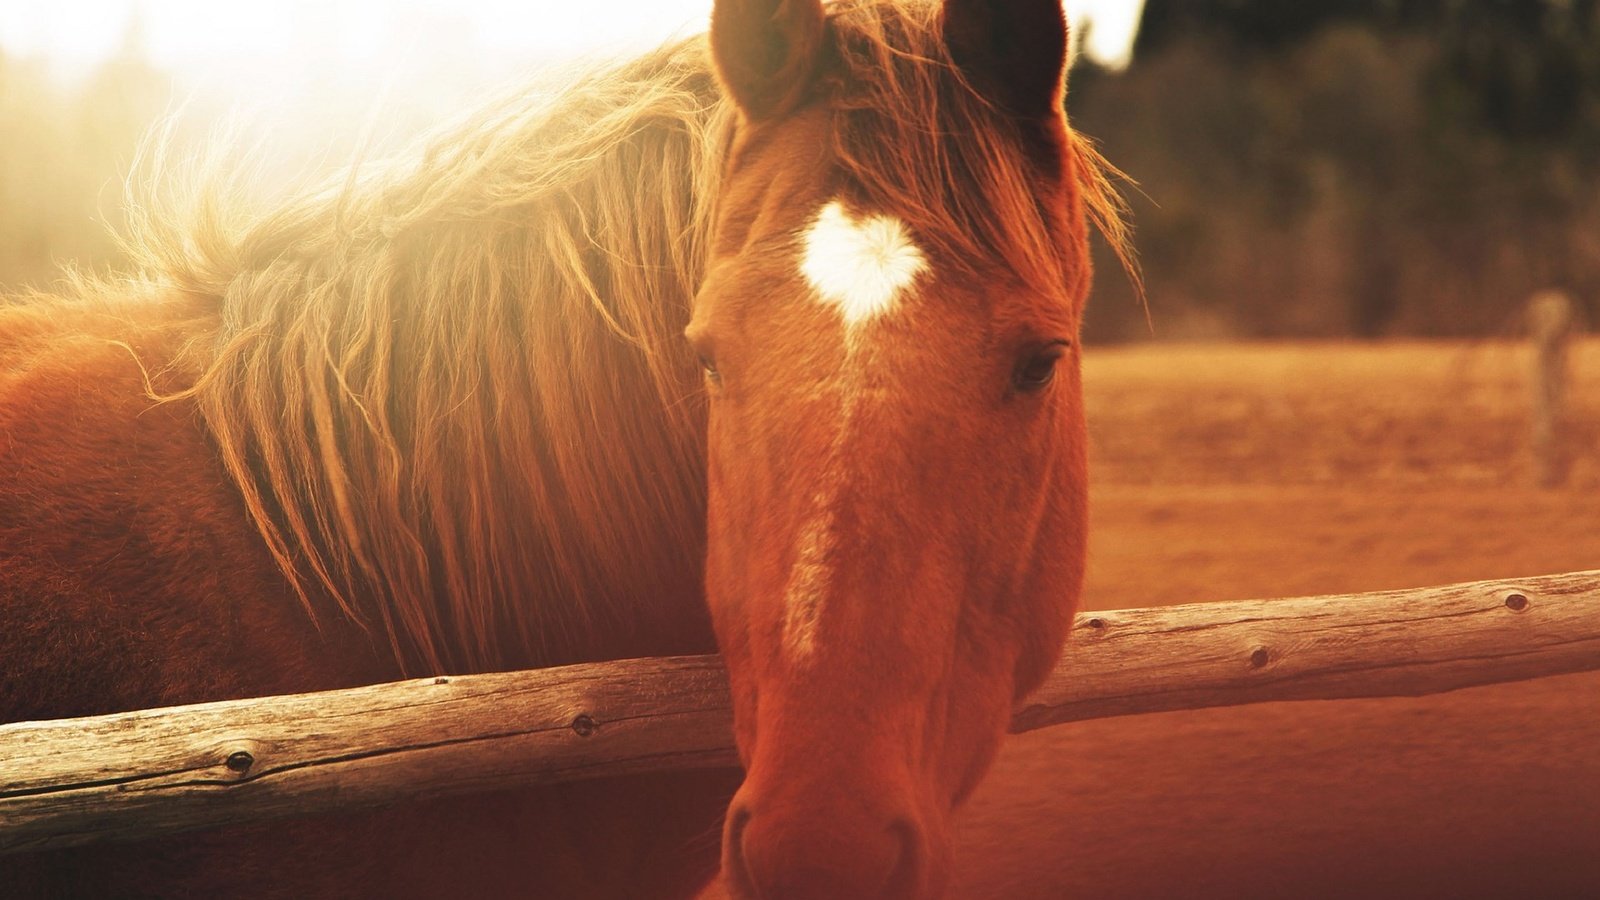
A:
304,75
259,45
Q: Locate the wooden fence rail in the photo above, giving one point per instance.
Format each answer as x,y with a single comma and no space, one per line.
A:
139,774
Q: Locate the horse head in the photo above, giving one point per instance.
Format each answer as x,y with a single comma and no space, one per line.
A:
896,448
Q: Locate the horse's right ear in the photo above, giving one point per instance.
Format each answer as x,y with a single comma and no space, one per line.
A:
766,52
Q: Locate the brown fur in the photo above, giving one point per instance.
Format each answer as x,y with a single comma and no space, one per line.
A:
559,503
932,514
452,394
432,417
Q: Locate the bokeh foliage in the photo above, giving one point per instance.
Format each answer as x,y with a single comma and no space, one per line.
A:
1357,167
64,148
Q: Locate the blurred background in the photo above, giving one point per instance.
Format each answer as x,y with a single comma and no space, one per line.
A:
1346,168
1353,167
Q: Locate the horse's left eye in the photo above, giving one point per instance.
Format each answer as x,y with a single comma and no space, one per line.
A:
1036,370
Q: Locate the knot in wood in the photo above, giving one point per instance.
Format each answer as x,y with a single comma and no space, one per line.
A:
584,725
239,761
1516,602
1259,657
1096,623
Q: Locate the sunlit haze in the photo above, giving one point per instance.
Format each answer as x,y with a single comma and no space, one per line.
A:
266,46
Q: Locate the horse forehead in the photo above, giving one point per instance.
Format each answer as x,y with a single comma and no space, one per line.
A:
860,264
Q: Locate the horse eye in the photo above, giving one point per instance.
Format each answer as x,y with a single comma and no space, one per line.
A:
1038,368
710,367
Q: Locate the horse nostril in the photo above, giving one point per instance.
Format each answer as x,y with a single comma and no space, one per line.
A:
735,872
823,856
906,877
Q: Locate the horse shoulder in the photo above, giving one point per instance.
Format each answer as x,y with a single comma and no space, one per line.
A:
130,575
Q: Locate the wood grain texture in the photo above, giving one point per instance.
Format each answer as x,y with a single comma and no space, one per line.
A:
140,774
1390,644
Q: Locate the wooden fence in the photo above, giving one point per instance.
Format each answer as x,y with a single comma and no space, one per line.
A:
1552,321
76,781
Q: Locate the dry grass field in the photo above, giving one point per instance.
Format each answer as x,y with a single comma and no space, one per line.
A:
1227,472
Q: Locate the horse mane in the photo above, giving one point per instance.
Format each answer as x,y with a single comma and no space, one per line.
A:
914,137
450,388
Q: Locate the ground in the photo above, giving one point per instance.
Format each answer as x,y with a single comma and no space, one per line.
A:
1231,472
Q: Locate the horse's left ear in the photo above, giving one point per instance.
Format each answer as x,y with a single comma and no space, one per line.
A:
766,52
1014,52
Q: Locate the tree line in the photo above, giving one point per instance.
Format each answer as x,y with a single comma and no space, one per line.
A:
1353,167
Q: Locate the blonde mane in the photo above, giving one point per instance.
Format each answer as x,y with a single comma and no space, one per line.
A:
451,390
913,135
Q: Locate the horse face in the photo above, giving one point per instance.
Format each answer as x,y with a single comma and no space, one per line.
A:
895,465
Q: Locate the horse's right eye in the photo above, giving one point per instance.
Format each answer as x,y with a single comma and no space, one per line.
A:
705,350
709,366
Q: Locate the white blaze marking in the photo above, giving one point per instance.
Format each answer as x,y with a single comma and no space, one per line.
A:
862,265
808,579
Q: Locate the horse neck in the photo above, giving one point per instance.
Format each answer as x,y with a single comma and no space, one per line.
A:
488,445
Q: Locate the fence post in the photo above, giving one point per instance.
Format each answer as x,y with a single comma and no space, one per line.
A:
1550,317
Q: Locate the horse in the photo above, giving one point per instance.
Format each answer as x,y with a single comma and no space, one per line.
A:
764,341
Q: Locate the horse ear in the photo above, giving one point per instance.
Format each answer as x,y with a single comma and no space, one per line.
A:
766,51
1014,52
